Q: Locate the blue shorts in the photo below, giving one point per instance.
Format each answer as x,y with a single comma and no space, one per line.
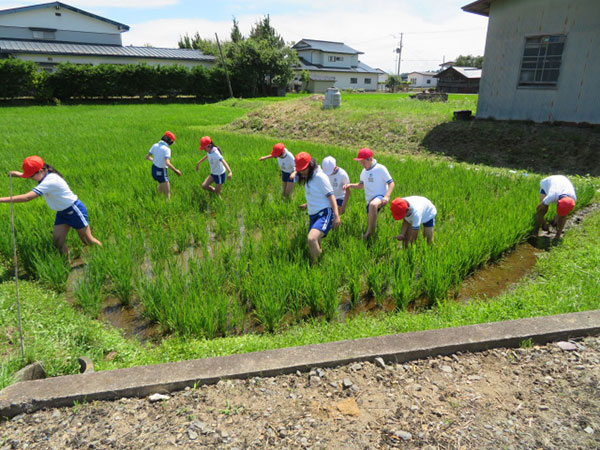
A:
219,179
75,216
339,201
543,192
380,197
429,224
322,221
160,175
285,177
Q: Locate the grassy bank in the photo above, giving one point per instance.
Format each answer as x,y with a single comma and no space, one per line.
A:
565,280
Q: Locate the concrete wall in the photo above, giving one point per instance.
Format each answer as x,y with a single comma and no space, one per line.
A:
576,97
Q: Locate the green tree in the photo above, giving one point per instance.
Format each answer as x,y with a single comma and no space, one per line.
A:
469,61
236,34
393,82
197,42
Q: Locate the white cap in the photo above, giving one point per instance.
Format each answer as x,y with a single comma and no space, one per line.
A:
328,165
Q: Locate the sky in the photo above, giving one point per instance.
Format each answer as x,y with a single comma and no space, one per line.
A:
433,31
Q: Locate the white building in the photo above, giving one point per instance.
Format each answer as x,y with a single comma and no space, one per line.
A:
52,33
334,64
422,79
541,60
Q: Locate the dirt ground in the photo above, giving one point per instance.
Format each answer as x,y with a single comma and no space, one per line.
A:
526,398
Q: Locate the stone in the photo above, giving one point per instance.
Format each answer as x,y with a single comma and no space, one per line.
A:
158,397
589,430
33,371
320,372
346,383
380,362
446,369
566,346
398,434
192,435
356,367
473,378
315,380
348,407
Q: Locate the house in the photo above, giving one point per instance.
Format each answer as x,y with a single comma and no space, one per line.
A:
459,80
541,60
334,64
445,65
51,33
422,79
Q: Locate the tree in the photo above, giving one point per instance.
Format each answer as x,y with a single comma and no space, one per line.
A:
206,46
236,34
469,61
393,82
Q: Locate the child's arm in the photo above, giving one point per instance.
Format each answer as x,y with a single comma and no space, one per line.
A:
229,175
149,157
262,158
19,198
15,173
201,161
336,214
358,185
345,202
172,167
388,193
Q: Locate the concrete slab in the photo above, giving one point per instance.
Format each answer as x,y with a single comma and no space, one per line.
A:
141,381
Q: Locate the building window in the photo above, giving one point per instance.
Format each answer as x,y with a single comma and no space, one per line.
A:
336,58
541,60
413,81
353,80
367,81
46,35
428,81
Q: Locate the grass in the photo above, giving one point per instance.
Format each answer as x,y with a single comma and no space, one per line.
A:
565,280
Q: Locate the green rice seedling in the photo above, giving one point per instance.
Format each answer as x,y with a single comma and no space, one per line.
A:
52,269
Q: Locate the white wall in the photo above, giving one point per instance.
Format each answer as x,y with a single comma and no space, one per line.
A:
576,97
342,79
421,80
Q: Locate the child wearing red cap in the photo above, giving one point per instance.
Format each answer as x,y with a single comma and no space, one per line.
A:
217,166
555,189
320,202
285,159
415,211
160,155
378,185
70,212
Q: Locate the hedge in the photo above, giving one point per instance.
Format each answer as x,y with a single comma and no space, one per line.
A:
85,81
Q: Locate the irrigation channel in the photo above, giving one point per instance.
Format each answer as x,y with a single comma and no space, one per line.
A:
488,281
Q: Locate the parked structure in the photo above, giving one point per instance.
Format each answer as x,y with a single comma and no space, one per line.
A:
51,33
541,60
334,64
459,80
422,79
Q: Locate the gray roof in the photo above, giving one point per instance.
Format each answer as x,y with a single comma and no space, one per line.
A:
325,46
120,26
467,72
361,68
481,7
322,78
59,48
427,74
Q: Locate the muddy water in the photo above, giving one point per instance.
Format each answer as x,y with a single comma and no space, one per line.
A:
129,319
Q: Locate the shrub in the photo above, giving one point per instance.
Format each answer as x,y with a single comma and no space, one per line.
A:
17,78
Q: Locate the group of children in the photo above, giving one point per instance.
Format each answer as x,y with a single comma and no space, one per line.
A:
327,191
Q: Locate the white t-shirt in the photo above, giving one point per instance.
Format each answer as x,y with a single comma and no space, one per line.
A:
56,192
160,152
338,180
420,211
317,192
555,186
375,181
215,160
286,161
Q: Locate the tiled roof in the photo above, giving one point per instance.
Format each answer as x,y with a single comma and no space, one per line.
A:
361,68
325,46
61,48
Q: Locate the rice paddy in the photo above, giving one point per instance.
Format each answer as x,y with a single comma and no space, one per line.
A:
211,266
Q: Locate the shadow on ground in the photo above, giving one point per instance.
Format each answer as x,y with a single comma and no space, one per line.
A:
532,147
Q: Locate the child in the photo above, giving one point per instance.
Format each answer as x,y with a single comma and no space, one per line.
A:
70,212
217,166
320,201
160,155
555,189
338,177
285,159
378,185
415,211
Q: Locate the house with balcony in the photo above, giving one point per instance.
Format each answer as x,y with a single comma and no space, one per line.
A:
334,64
52,33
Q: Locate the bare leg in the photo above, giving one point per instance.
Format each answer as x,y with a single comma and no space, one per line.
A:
372,217
59,237
165,188
314,244
539,217
206,185
85,234
287,189
428,233
560,224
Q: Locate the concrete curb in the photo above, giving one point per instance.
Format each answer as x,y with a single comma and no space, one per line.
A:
29,396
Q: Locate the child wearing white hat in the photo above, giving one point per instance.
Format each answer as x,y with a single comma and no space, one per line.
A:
338,177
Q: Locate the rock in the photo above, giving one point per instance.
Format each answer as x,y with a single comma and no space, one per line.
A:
417,387
380,362
192,435
33,371
589,430
320,372
315,380
473,378
158,397
348,407
446,369
356,367
398,434
566,346
346,383
543,407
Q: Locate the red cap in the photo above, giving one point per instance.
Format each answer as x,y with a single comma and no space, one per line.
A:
302,160
170,135
205,141
364,153
31,165
565,206
399,207
278,149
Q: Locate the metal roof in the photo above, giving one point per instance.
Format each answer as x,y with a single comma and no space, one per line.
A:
59,48
467,72
481,7
361,68
58,5
427,74
325,46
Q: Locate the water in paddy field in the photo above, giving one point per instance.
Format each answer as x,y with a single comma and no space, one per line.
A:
487,282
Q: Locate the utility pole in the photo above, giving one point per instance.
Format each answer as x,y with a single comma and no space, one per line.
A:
225,66
399,52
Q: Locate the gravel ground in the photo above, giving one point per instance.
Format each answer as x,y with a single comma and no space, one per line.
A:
537,397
